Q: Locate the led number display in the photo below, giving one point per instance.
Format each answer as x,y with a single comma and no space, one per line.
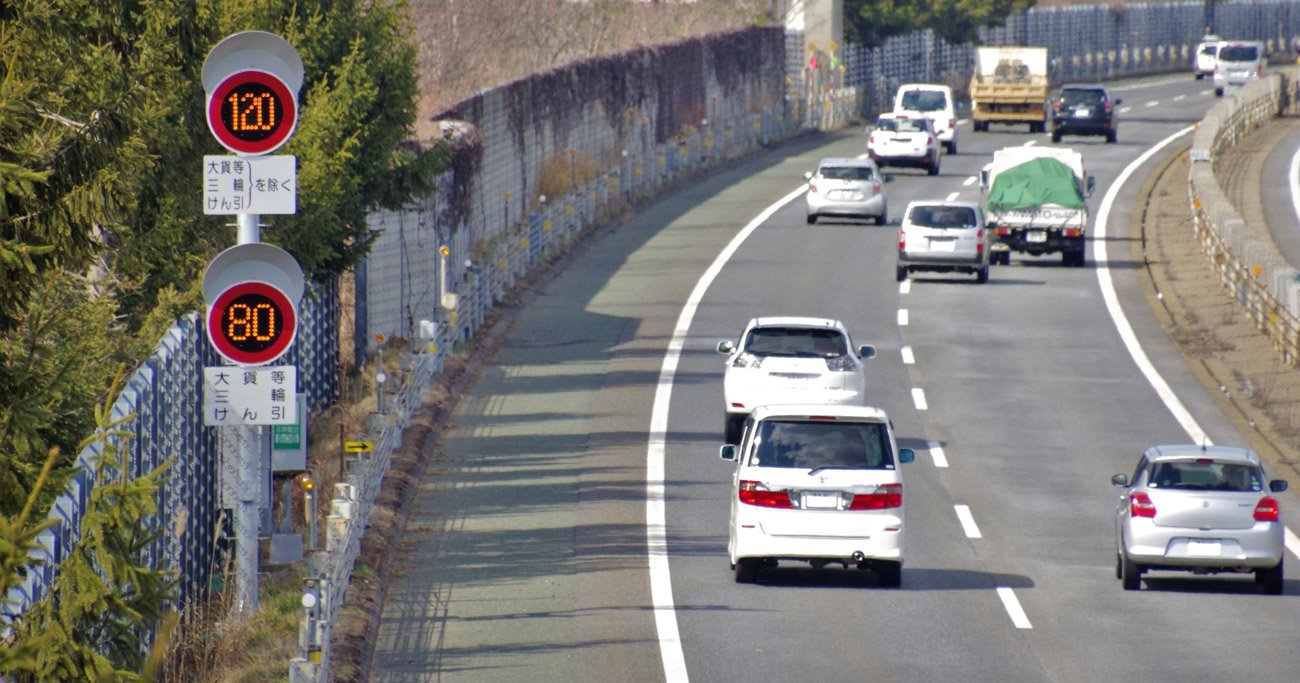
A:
252,323
252,112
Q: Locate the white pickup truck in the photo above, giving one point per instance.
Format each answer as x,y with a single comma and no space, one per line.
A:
1036,202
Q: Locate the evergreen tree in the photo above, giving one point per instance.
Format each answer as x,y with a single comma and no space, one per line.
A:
872,22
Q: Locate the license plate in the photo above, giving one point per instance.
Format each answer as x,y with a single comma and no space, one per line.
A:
1082,112
842,194
943,245
1203,548
820,500
1036,236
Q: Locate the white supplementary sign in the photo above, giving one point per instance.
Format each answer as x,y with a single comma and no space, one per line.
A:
262,185
239,397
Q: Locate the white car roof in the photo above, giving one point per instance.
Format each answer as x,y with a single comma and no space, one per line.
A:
1172,451
845,161
941,202
924,86
808,410
796,321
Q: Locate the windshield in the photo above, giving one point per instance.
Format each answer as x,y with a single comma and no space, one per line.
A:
924,100
898,125
943,216
846,172
808,445
796,341
1238,53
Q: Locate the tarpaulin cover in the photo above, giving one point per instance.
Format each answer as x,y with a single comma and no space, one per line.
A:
1035,183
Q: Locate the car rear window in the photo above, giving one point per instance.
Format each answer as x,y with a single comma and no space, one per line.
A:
924,100
916,125
847,172
1084,97
1209,50
1205,474
801,444
943,216
796,341
1238,53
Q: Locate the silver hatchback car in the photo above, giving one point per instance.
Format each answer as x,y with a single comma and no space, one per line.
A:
846,187
944,236
1199,509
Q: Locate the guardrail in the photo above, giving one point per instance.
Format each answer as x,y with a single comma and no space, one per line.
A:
1251,267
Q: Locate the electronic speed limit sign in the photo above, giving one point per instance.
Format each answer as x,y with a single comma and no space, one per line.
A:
252,81
252,323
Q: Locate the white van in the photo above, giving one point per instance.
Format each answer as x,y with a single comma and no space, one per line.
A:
936,103
1238,62
1203,60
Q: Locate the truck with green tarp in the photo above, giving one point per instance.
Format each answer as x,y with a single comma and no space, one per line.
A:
1036,202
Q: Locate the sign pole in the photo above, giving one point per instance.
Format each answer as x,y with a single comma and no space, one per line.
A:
250,441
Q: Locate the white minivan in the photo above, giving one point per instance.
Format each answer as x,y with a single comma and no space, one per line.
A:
936,103
1206,55
1237,63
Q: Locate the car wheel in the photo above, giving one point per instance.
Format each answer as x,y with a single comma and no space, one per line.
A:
746,570
983,275
1119,566
890,574
950,147
731,430
1004,258
1271,579
883,218
1056,136
1200,76
1218,92
902,273
1130,574
934,169
812,219
1112,135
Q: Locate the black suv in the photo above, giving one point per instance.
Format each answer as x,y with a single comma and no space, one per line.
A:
1084,110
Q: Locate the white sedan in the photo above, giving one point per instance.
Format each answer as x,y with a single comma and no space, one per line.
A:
791,360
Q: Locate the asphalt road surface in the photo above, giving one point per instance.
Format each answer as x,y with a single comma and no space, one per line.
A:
573,523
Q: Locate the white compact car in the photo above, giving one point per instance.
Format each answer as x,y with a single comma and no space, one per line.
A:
1238,63
1202,510
904,140
790,360
1205,57
817,484
851,188
936,103
944,236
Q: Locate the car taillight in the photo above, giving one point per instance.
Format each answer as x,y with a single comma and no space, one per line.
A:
1071,232
1108,106
756,493
1260,70
902,240
1056,106
1002,230
952,123
871,139
843,363
979,246
747,360
929,139
875,186
1140,505
885,497
812,187
1266,510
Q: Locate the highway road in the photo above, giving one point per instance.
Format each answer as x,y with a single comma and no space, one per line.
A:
573,522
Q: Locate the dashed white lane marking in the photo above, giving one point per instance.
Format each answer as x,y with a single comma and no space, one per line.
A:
902,317
905,286
970,181
908,358
936,454
1031,143
1179,98
1012,605
954,196
1125,110
918,397
1292,542
967,521
1153,103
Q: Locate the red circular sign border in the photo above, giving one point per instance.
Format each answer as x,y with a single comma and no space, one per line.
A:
218,97
272,353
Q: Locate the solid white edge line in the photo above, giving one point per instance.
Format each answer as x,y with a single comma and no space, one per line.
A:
967,521
936,453
1012,605
918,397
1293,181
661,585
1111,299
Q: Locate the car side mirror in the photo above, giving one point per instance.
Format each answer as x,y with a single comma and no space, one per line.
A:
1092,184
889,177
726,346
1119,480
984,179
1118,101
866,351
906,455
807,175
727,452
1277,485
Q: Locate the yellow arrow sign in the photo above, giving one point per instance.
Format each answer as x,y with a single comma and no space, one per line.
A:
358,446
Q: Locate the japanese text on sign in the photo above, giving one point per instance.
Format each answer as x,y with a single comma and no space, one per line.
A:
262,185
234,396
